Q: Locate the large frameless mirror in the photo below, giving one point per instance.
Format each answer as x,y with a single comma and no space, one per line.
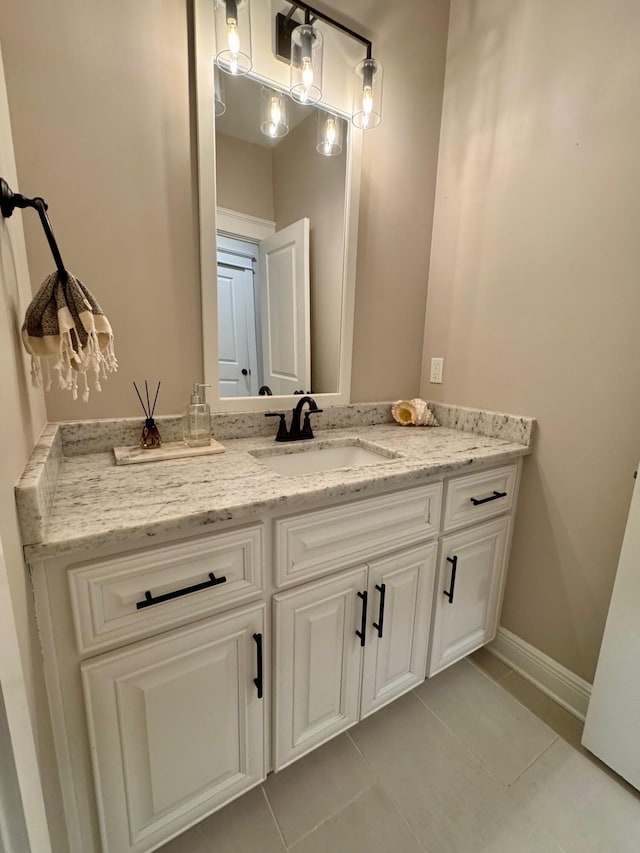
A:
278,205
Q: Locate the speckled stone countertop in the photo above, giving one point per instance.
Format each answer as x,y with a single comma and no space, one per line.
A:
89,502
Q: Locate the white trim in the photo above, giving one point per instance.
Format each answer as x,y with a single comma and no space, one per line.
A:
13,686
13,689
235,224
204,39
556,681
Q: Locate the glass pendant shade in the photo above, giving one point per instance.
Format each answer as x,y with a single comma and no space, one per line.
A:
306,64
367,104
274,121
233,36
218,87
330,134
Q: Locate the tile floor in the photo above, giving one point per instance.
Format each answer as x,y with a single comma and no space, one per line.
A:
475,760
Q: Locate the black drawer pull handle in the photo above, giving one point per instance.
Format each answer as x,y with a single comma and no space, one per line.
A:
452,586
379,625
148,599
363,623
493,497
258,681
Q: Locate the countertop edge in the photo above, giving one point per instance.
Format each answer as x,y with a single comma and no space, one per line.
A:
191,524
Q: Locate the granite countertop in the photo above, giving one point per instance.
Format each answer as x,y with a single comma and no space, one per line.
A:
68,503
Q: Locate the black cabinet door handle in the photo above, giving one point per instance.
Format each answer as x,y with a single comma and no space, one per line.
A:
379,625
494,497
148,599
258,681
452,585
363,623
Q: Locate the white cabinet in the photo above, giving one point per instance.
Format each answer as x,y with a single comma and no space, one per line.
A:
318,660
347,645
468,591
151,673
400,598
176,727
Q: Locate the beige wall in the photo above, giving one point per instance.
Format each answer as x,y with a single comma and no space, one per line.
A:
99,100
22,420
244,177
99,96
308,184
533,290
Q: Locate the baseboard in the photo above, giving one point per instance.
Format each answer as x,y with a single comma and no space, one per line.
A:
563,686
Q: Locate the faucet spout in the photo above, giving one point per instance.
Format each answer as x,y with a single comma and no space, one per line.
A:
294,430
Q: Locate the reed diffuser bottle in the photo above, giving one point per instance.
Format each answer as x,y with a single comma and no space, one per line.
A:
150,438
197,419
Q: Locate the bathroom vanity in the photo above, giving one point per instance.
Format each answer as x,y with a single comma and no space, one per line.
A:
205,621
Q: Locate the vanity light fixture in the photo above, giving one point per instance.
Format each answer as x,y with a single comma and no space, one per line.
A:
295,44
273,119
329,138
233,35
306,63
367,106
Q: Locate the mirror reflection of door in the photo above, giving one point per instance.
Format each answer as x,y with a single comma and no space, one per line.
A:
263,313
237,343
284,310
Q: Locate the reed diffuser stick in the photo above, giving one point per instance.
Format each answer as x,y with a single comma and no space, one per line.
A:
146,414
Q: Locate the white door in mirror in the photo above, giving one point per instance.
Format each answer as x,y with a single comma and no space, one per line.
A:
236,328
284,302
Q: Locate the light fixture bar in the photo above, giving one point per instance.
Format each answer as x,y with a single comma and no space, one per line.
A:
317,15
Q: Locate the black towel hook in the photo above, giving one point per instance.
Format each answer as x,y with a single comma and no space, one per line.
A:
8,203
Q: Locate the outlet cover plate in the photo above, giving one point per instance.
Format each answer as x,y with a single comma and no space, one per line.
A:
437,367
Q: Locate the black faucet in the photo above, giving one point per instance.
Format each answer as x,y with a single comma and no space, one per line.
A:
295,432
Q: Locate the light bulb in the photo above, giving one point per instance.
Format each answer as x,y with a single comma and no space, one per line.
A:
367,99
307,73
233,42
331,133
367,106
233,37
276,112
273,130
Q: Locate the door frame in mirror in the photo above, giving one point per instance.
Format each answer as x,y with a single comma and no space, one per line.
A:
203,42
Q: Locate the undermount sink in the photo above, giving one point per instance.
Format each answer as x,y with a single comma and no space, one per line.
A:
312,459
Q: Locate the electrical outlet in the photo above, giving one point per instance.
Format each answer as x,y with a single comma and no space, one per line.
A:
437,366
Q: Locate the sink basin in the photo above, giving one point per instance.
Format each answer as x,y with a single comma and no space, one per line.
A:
313,459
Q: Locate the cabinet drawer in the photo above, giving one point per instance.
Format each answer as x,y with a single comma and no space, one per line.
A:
315,543
110,597
479,496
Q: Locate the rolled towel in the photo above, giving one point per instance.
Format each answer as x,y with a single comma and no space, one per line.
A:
413,413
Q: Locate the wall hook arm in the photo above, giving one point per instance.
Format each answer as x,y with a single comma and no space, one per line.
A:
8,203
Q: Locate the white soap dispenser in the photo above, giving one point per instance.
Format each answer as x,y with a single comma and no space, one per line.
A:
197,419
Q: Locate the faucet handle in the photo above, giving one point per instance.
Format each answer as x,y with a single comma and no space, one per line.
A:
306,431
282,433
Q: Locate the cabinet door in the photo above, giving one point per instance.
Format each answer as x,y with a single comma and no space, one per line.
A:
176,728
468,592
318,660
400,596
